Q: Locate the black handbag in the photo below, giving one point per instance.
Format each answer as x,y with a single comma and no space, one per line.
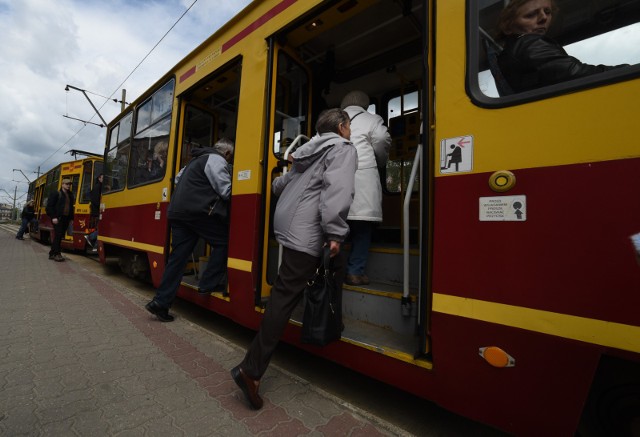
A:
220,210
322,320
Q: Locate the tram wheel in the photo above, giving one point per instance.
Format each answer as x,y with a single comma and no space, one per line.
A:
135,265
613,407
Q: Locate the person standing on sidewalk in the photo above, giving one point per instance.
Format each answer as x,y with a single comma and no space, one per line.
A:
198,209
60,211
372,141
311,212
28,213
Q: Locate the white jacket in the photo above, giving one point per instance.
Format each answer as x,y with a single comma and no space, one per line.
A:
372,141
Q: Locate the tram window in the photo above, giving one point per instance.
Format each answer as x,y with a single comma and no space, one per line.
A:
85,189
149,154
115,167
75,184
155,107
212,111
52,184
198,132
605,35
403,121
292,103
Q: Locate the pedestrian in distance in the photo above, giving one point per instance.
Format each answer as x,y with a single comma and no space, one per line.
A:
311,212
372,141
60,210
27,216
198,209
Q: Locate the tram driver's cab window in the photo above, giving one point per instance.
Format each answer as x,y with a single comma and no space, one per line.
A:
542,47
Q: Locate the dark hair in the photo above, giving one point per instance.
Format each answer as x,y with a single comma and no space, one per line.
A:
508,15
329,120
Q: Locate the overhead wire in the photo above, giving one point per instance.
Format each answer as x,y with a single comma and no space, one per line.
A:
123,82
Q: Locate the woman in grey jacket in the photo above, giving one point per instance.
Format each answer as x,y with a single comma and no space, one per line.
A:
312,211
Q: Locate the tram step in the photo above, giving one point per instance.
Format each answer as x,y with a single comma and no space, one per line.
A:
386,266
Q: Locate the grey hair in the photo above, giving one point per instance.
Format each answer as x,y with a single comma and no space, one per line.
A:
355,98
329,120
224,145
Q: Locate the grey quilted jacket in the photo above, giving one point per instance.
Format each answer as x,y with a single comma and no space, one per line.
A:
316,194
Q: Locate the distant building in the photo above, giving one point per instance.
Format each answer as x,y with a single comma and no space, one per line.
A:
6,211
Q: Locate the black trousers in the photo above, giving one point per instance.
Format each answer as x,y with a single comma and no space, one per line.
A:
59,230
296,269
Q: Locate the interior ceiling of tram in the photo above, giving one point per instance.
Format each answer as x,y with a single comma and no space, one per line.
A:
370,45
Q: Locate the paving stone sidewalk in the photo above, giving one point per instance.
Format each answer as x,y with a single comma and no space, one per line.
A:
79,355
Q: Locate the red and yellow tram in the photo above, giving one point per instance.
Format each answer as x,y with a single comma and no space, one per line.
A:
82,173
504,287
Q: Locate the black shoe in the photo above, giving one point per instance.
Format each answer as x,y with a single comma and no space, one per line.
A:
58,258
248,386
220,288
19,238
51,256
161,313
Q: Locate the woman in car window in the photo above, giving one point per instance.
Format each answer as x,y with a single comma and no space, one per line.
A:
530,59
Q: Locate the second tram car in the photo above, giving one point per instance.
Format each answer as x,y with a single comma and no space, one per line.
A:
82,173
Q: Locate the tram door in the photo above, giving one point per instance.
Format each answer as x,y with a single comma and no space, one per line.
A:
289,127
210,112
331,52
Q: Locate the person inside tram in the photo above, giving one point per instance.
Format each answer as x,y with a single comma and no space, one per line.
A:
153,167
531,59
372,141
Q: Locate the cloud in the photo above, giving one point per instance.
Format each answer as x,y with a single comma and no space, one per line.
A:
92,45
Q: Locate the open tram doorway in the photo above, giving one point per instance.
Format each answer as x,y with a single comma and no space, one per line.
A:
209,112
377,47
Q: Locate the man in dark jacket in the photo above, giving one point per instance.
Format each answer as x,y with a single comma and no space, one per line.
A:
28,213
60,211
198,209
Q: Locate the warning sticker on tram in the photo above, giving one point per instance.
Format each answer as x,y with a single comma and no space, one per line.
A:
456,154
503,209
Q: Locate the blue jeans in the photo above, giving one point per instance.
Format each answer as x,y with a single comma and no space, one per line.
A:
360,232
93,237
184,236
23,228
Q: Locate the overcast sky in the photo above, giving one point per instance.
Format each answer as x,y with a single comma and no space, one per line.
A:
92,45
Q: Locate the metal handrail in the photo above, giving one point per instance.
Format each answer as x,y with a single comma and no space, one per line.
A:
284,172
406,303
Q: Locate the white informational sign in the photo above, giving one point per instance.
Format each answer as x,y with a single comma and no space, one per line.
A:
503,209
244,175
157,215
456,154
165,193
